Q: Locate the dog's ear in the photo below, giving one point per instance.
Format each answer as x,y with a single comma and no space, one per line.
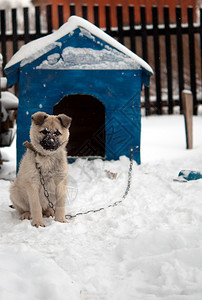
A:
64,120
39,117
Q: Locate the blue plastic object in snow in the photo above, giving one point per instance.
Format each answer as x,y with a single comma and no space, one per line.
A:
187,175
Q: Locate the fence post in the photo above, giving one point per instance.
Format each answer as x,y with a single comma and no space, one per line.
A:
26,24
157,59
192,57
108,18
132,27
37,21
84,8
14,29
180,54
49,18
168,59
187,102
15,38
60,15
72,9
120,23
200,34
96,15
145,55
3,38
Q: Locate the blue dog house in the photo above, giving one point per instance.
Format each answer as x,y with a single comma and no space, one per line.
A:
81,71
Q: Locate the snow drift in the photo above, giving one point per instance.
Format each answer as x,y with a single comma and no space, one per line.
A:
149,247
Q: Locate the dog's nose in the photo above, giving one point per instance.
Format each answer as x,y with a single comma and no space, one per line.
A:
50,143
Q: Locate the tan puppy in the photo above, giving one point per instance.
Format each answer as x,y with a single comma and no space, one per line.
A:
44,161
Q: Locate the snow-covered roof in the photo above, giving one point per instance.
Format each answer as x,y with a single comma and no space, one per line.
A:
31,49
81,58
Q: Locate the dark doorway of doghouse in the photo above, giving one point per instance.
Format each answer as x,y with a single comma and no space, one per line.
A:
87,130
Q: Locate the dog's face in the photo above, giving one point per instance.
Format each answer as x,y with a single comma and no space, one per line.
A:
49,133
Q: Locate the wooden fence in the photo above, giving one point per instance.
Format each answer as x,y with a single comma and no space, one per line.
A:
173,50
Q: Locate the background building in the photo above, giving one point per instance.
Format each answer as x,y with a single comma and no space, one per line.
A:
184,4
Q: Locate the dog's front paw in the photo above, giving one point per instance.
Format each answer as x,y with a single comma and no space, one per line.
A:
25,216
37,223
60,215
61,219
48,212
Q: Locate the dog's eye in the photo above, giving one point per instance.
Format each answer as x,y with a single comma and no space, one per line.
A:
45,131
57,132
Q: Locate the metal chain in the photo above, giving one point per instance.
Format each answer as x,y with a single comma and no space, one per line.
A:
46,194
116,202
129,174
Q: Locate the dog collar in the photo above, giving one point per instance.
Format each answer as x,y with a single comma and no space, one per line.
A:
29,146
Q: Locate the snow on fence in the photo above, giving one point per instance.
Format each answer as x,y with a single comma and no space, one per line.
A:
173,50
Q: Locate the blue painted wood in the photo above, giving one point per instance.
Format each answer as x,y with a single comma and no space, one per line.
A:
118,90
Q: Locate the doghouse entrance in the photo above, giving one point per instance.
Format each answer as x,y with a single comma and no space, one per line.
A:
87,131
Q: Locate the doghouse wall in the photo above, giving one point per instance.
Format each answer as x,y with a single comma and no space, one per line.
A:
118,90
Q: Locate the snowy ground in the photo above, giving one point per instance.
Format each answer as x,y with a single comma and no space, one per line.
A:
148,247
